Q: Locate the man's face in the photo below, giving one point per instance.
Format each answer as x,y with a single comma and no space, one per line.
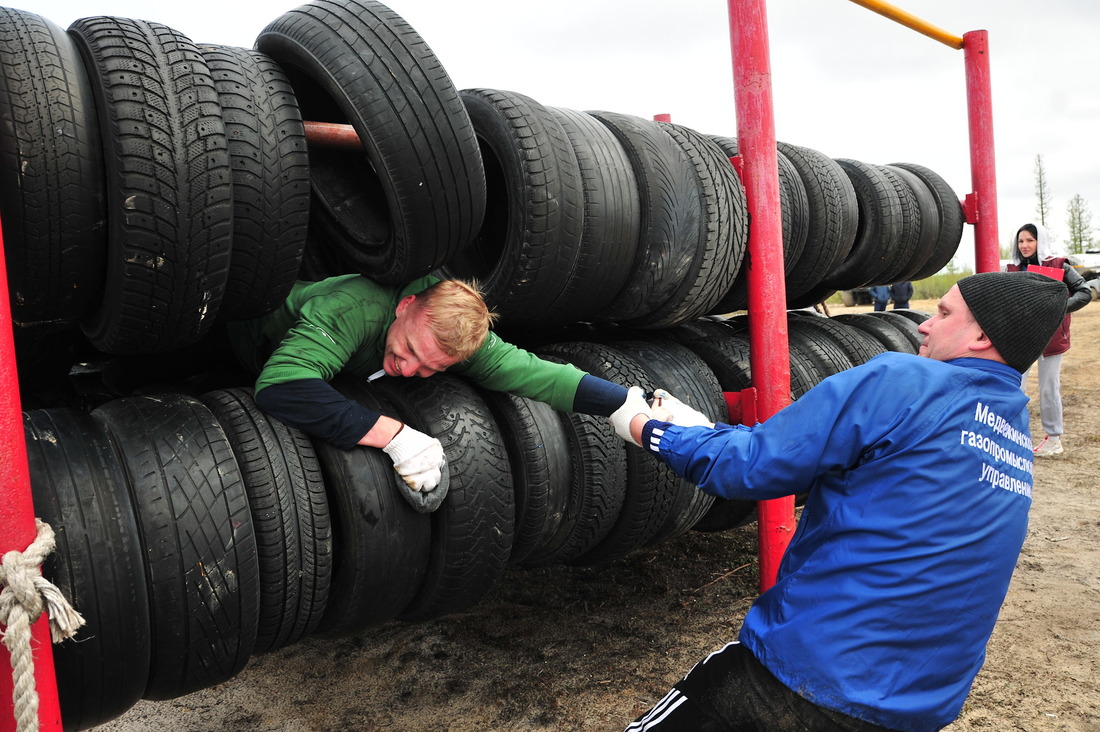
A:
952,332
411,349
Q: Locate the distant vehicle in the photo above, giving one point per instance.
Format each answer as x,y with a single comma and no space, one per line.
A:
858,296
1088,263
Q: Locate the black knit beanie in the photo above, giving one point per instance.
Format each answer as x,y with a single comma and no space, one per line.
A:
1019,311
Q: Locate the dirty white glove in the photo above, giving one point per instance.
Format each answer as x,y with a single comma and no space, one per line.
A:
678,412
419,460
634,405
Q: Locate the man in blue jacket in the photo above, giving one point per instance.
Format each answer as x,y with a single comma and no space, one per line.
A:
880,296
919,474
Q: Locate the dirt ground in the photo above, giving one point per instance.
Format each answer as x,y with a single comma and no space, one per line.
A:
589,649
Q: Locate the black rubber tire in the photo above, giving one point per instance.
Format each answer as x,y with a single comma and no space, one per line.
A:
529,246
884,332
910,234
917,316
725,349
597,492
538,453
417,195
290,515
197,538
815,296
727,354
270,164
319,261
906,326
832,221
811,345
80,490
924,227
686,376
169,186
719,240
648,489
380,543
612,219
596,489
51,176
671,212
951,220
473,528
856,344
879,248
795,218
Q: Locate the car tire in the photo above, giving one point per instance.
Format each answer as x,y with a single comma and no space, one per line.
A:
51,177
80,490
270,164
168,182
417,195
197,538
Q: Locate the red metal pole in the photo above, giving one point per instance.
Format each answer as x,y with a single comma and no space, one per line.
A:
17,529
983,169
768,347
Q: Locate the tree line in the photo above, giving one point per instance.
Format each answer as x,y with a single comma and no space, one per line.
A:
1078,214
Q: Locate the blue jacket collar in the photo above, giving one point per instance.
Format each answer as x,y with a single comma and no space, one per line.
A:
993,367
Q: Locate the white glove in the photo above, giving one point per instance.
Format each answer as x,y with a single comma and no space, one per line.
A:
678,412
634,405
418,458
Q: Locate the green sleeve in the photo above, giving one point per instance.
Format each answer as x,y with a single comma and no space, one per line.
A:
329,331
500,366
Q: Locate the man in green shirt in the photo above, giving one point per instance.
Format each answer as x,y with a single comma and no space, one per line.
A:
428,326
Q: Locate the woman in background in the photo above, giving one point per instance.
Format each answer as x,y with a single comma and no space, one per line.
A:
1033,248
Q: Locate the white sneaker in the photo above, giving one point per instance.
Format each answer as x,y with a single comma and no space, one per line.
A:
1051,445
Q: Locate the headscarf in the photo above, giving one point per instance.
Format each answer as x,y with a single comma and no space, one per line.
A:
1043,251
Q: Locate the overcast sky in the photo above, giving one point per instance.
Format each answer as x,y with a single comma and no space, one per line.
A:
846,81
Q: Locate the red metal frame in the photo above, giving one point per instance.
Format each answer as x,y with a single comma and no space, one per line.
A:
768,346
17,529
767,320
983,169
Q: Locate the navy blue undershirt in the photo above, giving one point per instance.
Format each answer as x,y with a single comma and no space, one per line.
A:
314,407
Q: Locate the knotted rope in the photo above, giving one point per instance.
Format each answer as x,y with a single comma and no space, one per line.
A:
25,595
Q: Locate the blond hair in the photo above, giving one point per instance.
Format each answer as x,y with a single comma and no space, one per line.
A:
456,315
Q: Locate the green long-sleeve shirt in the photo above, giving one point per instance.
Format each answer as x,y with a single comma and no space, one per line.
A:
340,323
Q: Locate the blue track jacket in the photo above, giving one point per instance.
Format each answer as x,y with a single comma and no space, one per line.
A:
919,476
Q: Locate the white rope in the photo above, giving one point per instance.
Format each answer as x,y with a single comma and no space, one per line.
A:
24,596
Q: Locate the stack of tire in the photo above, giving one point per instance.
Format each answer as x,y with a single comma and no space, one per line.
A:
153,187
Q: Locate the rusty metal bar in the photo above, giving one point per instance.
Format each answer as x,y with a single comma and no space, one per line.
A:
330,134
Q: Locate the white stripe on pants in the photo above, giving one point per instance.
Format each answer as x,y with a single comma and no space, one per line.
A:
658,713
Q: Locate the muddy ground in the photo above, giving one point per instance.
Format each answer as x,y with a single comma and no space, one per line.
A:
589,649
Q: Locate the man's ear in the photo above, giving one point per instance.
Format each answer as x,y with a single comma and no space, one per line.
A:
981,343
404,304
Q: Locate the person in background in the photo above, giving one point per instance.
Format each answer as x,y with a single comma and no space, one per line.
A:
1033,248
901,293
888,593
880,296
350,323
